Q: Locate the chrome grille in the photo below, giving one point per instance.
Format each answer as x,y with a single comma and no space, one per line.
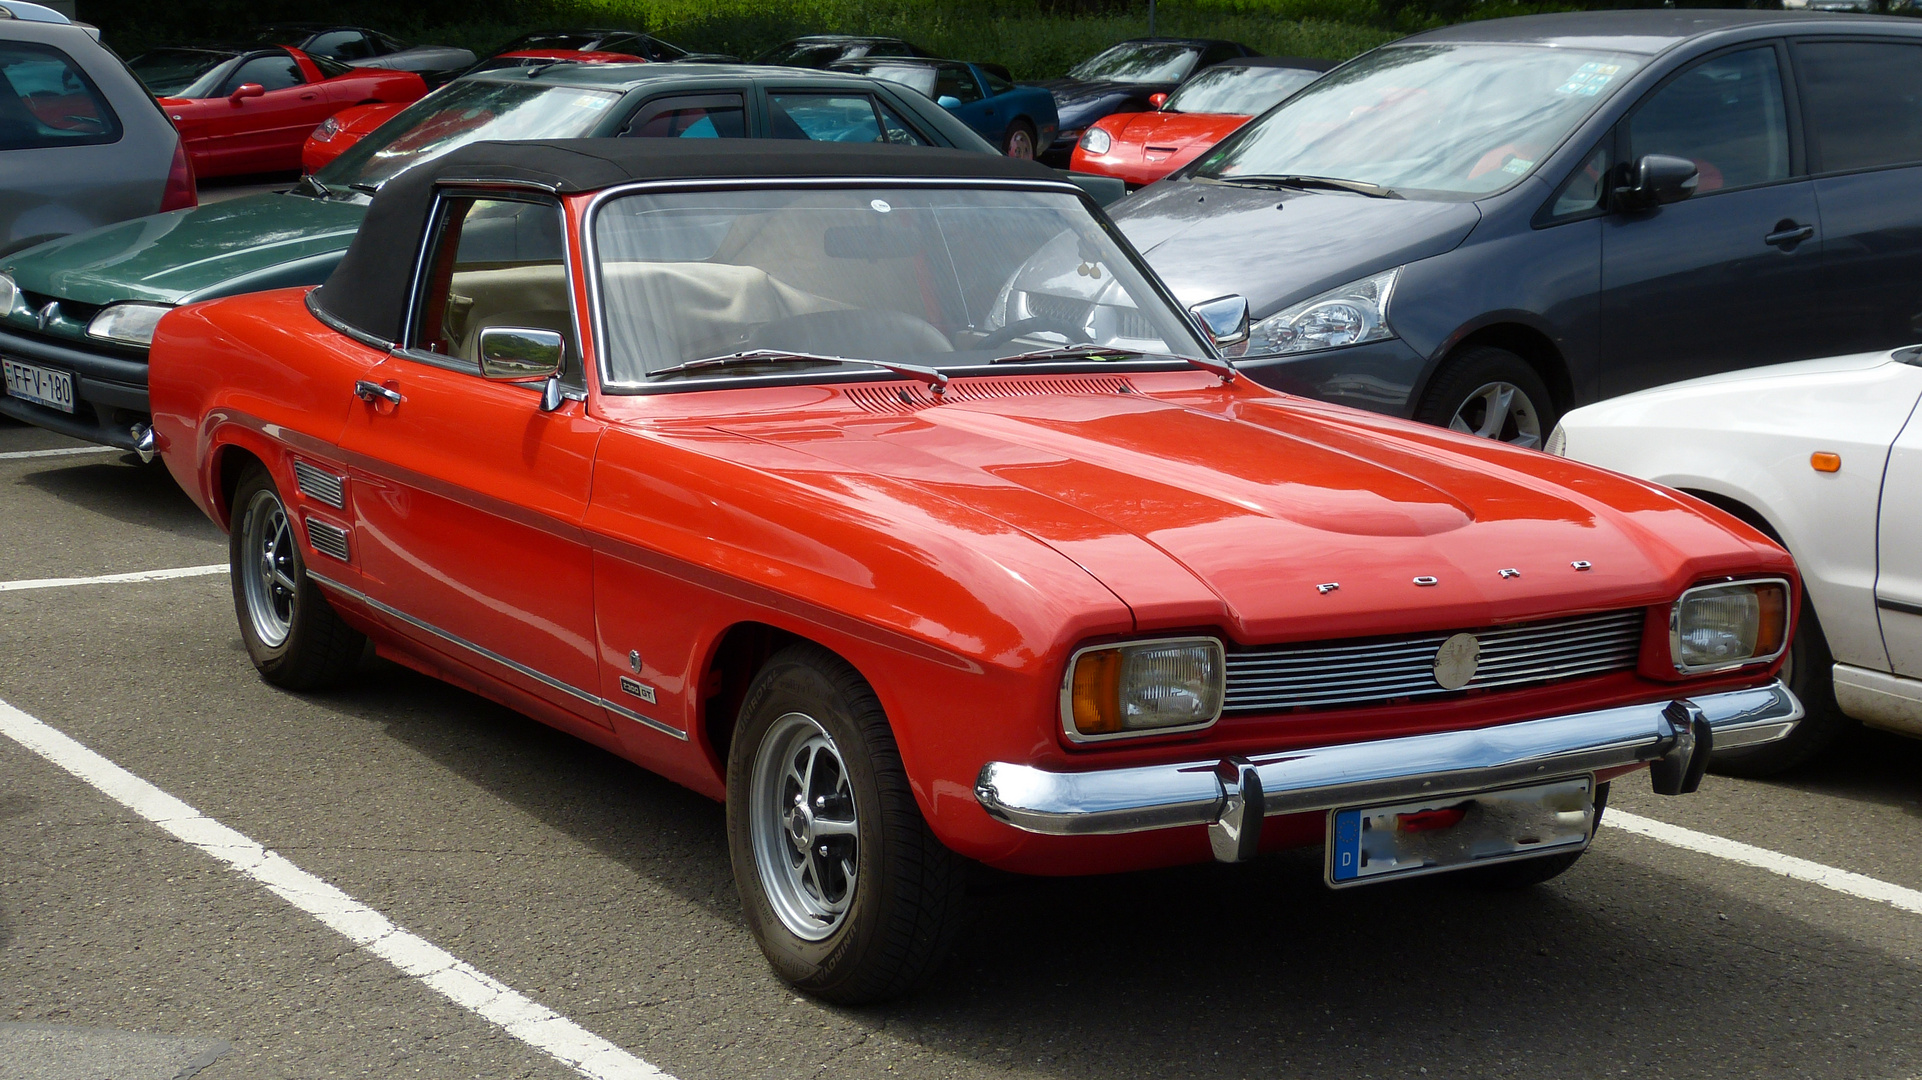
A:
1343,673
327,539
319,484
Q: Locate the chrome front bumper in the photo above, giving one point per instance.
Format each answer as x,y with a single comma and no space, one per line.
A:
1232,795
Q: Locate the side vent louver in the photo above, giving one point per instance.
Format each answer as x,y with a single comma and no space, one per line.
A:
320,485
913,397
329,540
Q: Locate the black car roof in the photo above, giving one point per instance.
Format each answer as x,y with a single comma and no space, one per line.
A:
1650,30
368,292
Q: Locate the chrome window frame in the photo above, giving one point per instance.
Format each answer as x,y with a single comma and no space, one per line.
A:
597,307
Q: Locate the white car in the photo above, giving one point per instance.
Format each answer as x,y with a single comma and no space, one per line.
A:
1825,456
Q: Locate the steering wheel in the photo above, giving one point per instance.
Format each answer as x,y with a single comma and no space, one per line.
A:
1039,324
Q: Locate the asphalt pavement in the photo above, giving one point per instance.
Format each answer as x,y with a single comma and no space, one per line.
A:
603,893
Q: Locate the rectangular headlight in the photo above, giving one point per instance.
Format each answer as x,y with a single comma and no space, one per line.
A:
1141,688
127,324
1716,627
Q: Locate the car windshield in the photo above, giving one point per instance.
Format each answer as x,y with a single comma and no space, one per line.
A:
913,76
1138,61
1238,89
555,39
181,73
1444,120
464,112
946,278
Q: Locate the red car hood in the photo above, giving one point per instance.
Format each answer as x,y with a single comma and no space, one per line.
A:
1159,136
1263,500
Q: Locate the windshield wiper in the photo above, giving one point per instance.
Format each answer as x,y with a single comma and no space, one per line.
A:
1101,352
310,186
1331,183
927,375
370,189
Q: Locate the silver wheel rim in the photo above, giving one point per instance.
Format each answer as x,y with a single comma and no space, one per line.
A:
1021,145
1501,411
269,566
803,822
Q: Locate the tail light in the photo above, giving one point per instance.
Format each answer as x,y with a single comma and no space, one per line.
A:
180,193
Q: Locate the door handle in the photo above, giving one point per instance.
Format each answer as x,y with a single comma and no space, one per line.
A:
369,391
1788,234
308,97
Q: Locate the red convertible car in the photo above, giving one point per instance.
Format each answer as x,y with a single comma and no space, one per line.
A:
249,110
1141,148
888,497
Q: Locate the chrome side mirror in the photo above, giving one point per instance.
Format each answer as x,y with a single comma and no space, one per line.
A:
1225,319
523,354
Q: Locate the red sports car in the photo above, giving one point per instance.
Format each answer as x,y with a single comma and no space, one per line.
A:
345,128
1141,148
249,110
888,498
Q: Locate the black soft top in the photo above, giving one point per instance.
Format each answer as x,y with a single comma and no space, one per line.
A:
367,293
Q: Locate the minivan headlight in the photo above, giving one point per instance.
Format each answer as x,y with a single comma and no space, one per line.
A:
1717,627
1142,688
127,324
1355,313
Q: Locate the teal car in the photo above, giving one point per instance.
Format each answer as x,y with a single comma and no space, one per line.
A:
77,314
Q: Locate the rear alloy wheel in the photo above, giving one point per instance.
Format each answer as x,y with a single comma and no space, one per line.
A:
1019,141
849,894
292,635
1491,393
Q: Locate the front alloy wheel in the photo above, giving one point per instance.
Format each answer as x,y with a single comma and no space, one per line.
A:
1500,411
1491,393
806,834
292,634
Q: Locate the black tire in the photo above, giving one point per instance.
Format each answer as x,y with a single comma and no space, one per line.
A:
1458,397
1809,673
903,903
308,649
1011,139
1527,873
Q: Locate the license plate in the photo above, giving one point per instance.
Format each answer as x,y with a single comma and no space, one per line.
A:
1426,836
42,386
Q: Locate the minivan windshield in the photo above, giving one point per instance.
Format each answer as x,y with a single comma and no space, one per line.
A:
464,112
1445,120
800,282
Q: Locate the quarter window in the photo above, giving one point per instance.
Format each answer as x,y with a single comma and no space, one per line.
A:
1725,114
45,100
496,262
898,129
1583,191
709,116
1864,103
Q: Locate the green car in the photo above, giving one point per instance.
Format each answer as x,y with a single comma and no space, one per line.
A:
77,314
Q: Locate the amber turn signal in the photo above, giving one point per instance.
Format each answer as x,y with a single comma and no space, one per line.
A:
1097,693
1772,630
1823,461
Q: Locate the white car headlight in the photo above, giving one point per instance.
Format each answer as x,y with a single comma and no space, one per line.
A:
1096,141
1557,443
328,128
1143,688
127,324
1716,627
1355,313
9,294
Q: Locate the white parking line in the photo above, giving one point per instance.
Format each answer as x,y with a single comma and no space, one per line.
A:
113,579
65,451
473,990
1846,882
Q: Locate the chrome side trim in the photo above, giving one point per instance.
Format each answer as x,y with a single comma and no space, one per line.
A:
489,654
320,485
1104,802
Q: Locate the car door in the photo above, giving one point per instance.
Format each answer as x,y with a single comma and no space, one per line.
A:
264,133
468,497
1723,279
1862,109
1898,578
956,90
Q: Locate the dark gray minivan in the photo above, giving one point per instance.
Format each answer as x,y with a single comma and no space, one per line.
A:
1486,225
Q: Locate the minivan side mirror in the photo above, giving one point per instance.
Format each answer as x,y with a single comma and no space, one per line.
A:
245,91
1225,318
1656,180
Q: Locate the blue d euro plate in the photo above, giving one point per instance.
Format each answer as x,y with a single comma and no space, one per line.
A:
1448,832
